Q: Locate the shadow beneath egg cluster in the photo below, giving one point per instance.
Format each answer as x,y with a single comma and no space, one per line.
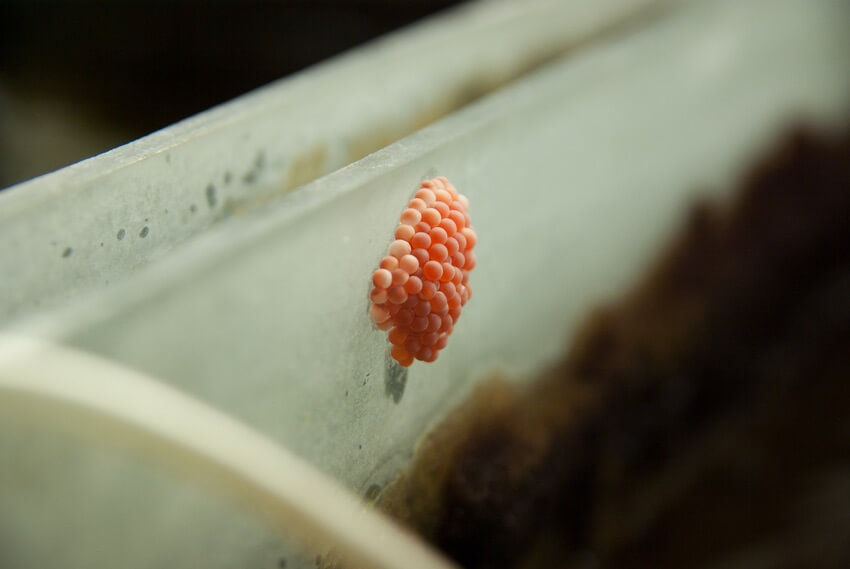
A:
395,379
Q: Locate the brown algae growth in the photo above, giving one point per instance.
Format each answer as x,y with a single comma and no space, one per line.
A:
699,420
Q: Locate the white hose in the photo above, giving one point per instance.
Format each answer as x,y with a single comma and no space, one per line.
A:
95,397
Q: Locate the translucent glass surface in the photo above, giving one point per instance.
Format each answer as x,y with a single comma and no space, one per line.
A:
575,175
94,223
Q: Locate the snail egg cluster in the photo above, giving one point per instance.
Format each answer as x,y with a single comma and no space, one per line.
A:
423,282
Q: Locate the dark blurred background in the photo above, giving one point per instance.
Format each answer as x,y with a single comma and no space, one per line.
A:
78,78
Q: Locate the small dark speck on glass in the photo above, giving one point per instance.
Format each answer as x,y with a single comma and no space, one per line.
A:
211,197
372,493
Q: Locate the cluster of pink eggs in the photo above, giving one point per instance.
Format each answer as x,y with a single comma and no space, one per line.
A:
423,282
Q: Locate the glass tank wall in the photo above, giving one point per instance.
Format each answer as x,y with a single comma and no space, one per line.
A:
576,174
90,225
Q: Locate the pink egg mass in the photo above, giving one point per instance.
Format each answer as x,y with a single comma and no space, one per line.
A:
422,284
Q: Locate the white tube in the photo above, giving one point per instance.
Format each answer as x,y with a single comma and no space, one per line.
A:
95,397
